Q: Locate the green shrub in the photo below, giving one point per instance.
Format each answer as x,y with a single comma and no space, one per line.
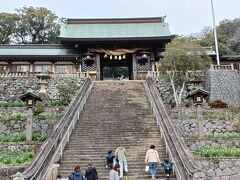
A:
218,104
60,103
39,108
217,151
46,115
15,157
67,90
226,115
23,116
39,137
224,135
22,137
184,116
12,104
18,116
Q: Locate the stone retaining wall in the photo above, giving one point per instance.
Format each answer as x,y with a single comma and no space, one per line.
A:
19,127
24,110
218,169
189,128
193,144
20,146
6,173
11,88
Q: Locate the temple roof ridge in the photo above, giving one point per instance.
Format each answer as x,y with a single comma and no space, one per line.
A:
115,20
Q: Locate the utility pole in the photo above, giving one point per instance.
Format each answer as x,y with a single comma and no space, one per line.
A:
215,34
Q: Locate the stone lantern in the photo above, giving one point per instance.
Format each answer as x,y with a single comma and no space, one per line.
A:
42,82
198,97
30,98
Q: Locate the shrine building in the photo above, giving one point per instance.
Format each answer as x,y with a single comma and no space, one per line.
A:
101,48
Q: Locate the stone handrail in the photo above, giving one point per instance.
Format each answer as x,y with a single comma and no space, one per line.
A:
53,148
222,67
184,165
51,74
153,74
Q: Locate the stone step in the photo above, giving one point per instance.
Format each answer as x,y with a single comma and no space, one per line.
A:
115,113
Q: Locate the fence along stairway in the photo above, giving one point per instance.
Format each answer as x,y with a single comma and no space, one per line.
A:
115,113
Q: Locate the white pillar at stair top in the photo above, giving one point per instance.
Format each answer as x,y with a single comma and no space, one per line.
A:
98,66
134,65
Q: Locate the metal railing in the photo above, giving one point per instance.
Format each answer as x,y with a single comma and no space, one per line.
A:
184,165
53,148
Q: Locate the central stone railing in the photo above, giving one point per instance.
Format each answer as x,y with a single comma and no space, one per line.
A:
184,165
52,149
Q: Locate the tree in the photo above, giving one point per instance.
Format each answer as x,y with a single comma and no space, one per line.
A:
36,26
182,55
207,40
228,36
234,42
8,23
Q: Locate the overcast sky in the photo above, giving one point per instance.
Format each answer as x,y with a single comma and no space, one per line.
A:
184,16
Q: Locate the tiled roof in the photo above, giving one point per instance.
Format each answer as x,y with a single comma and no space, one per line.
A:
36,50
115,29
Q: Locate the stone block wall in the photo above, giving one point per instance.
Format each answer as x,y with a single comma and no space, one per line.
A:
189,128
11,88
223,85
5,173
218,169
19,126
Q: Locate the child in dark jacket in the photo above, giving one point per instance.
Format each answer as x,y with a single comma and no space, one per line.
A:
167,166
110,158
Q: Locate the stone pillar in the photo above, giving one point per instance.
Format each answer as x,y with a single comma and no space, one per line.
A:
200,121
134,64
153,66
29,123
31,67
156,63
98,66
53,68
9,67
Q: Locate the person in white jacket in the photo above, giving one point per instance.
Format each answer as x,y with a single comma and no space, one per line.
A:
53,171
114,173
152,159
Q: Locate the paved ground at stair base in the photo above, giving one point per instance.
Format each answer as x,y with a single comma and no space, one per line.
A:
115,113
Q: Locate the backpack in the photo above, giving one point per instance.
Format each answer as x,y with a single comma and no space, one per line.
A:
168,166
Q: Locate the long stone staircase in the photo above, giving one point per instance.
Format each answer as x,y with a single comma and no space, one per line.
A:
116,112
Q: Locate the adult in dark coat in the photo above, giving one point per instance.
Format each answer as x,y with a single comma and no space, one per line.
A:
91,172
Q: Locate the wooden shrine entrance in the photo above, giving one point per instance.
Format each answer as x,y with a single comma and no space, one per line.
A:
115,68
